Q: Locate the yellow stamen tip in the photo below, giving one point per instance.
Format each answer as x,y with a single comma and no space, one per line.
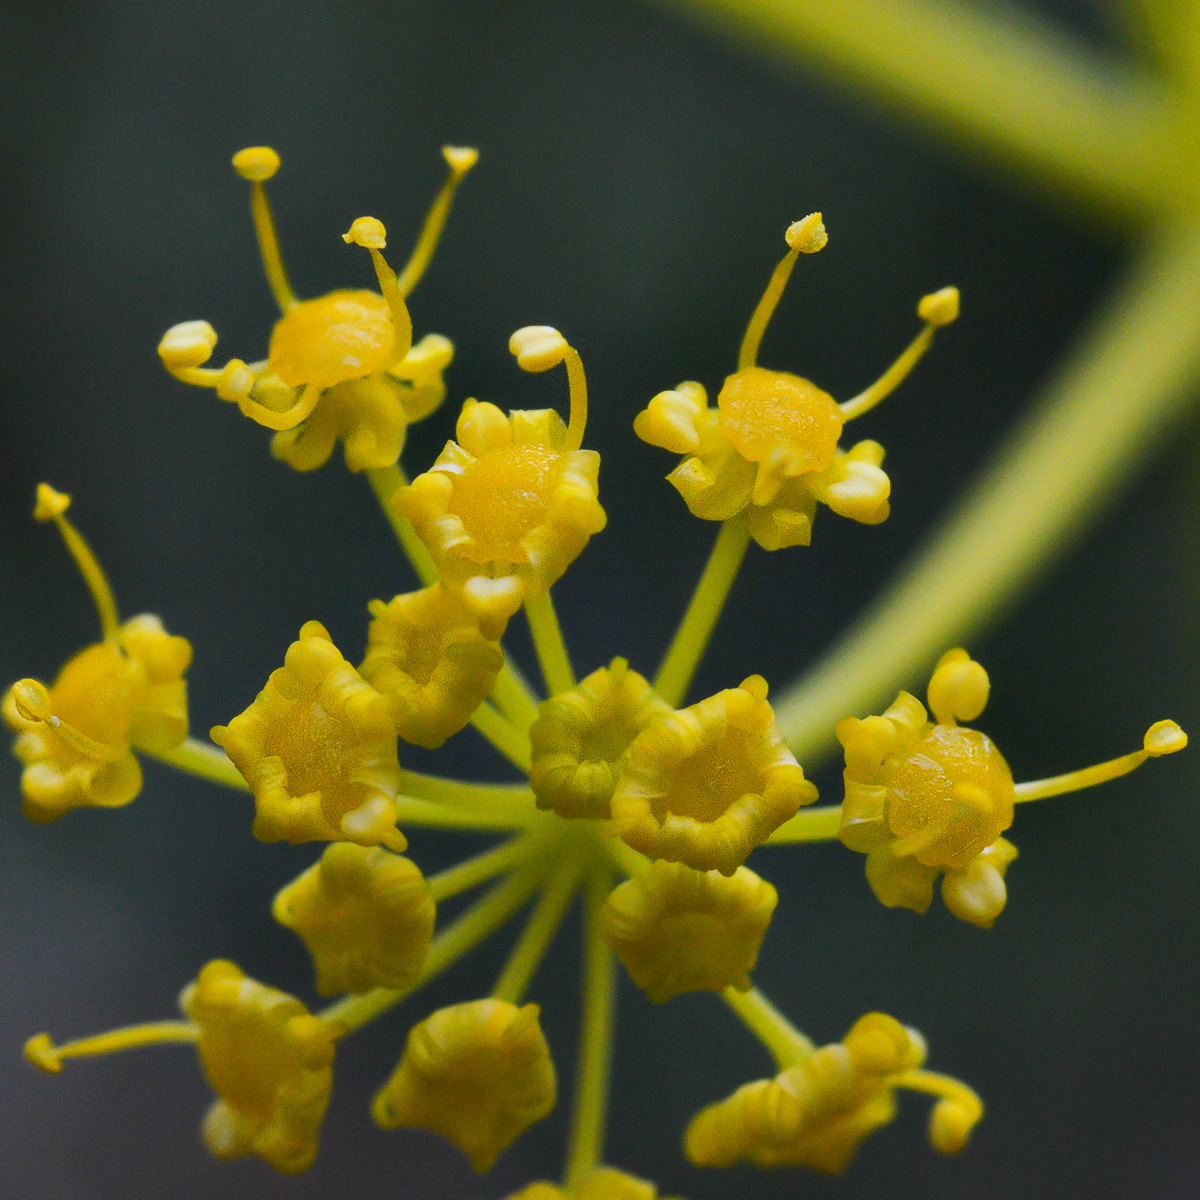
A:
188,344
31,699
41,1051
50,504
256,163
368,233
1164,737
460,159
808,235
940,307
537,347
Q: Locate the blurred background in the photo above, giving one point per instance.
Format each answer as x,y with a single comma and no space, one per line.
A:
636,178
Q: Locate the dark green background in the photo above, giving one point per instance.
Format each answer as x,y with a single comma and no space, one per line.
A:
634,185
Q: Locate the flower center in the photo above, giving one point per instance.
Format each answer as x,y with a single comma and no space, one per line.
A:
709,781
921,794
312,746
763,410
502,497
344,335
96,692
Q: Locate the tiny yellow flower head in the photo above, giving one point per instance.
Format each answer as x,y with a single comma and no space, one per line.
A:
926,797
678,930
707,784
433,659
478,1073
507,508
366,916
341,366
603,1183
581,737
318,749
771,444
126,692
817,1112
270,1062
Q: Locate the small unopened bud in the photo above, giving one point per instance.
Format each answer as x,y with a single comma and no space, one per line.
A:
940,307
256,163
808,235
188,344
367,232
537,347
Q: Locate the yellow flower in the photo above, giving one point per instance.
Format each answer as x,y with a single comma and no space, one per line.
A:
506,509
678,930
433,659
580,739
76,739
707,784
342,365
604,1183
926,797
366,916
318,749
770,447
478,1073
817,1112
269,1061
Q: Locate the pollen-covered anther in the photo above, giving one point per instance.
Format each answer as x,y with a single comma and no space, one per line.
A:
433,659
188,344
817,1112
707,784
580,739
507,508
678,930
318,749
478,1073
270,1062
367,232
366,916
256,163
603,1183
76,738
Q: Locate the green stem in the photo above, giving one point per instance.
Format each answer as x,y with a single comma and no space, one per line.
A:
512,742
460,792
691,639
548,642
353,1012
200,758
513,696
442,816
465,875
543,923
785,1042
596,1038
810,825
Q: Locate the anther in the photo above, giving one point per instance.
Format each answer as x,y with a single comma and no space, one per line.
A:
256,163
187,345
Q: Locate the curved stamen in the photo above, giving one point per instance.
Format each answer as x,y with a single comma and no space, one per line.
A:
936,309
1165,737
52,506
540,347
372,236
803,237
259,163
460,160
41,1051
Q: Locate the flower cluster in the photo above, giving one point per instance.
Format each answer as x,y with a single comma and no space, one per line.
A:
623,777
